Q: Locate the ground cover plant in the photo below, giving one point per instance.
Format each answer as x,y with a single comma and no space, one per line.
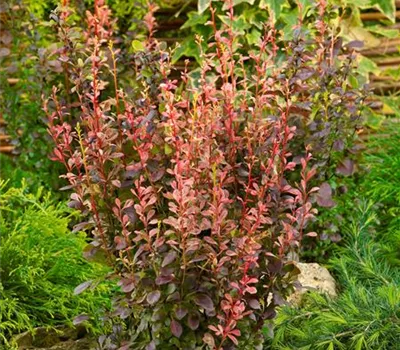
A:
364,316
41,264
198,192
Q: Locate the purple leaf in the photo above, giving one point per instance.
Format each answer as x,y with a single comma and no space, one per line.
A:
79,319
160,280
193,321
80,227
176,328
204,301
324,197
181,312
338,145
169,258
151,346
127,285
131,213
4,51
153,297
346,167
254,304
82,287
355,44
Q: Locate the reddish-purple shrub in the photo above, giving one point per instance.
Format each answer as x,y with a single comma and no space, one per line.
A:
185,183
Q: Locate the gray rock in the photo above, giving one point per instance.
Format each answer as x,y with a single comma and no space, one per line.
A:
313,277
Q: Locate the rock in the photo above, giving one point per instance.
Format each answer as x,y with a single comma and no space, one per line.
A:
58,338
313,277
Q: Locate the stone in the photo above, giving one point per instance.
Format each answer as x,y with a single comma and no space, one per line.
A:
313,277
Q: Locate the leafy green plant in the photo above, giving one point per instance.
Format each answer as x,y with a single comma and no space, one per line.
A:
285,14
366,313
28,69
41,264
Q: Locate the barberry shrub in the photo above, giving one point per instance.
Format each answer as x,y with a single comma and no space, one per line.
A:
186,183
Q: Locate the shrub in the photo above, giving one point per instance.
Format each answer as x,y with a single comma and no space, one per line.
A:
186,185
365,315
41,263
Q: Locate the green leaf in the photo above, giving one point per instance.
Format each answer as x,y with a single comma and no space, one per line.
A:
380,30
360,343
393,103
387,7
373,120
353,82
394,73
253,37
203,5
188,48
237,2
306,4
195,19
167,149
367,66
274,7
137,45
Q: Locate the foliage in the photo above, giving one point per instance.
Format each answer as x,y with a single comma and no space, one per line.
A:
380,183
377,180
285,14
187,189
365,315
40,265
345,19
382,160
28,69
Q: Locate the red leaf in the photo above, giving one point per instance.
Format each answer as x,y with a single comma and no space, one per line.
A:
312,234
120,243
233,338
251,290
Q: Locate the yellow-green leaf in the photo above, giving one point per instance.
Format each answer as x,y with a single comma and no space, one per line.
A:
137,45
